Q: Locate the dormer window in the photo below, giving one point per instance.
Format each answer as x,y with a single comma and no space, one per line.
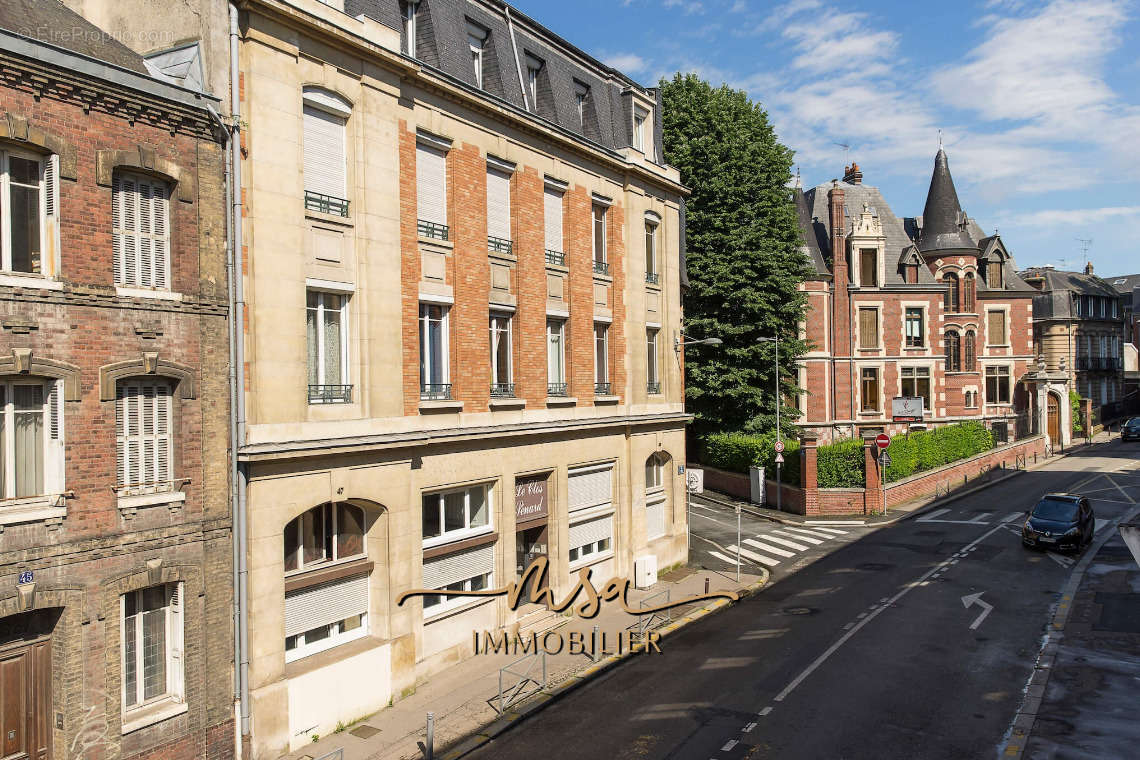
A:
477,42
993,274
868,267
533,69
408,13
640,116
581,100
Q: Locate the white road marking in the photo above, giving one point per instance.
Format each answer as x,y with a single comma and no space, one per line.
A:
835,522
765,711
786,542
748,729
817,532
987,608
755,557
710,519
834,531
1064,562
845,637
729,745
1013,516
800,537
769,548
861,615
729,560
848,626
932,515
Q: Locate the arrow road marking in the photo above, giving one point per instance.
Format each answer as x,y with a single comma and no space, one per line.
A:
977,599
1064,562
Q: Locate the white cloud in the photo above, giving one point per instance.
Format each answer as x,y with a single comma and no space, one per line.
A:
688,7
627,63
1066,217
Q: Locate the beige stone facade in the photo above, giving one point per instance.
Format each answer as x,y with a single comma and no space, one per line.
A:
376,444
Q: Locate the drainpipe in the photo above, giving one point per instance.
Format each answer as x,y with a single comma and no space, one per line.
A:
240,531
518,65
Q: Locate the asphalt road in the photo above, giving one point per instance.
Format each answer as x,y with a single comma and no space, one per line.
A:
878,649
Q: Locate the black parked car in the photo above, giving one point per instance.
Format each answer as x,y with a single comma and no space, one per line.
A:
1130,431
1059,521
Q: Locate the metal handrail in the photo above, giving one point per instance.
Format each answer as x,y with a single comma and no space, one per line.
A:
555,258
435,391
433,230
519,691
500,245
652,388
652,278
601,267
556,389
502,390
330,394
325,204
603,389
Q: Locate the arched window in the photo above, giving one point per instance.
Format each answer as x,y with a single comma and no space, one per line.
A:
952,300
968,293
656,495
971,352
953,352
324,534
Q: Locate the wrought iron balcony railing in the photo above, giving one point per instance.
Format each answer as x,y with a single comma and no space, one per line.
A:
502,390
603,389
653,388
435,391
330,394
433,230
601,267
500,245
556,389
556,258
326,204
652,278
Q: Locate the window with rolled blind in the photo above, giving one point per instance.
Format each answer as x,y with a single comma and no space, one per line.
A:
144,433
431,184
868,328
552,216
498,207
590,538
655,516
140,231
325,121
590,487
467,570
325,615
996,331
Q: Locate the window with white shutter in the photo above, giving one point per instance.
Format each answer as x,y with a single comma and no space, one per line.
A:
468,570
152,646
431,191
324,141
552,218
325,615
590,487
29,203
498,210
140,231
655,516
144,435
31,438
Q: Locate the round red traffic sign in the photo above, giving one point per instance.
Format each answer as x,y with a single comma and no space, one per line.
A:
882,440
779,447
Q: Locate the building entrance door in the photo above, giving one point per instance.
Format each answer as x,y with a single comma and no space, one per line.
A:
530,544
25,700
1054,413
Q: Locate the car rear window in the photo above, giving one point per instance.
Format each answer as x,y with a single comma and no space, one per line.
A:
1055,509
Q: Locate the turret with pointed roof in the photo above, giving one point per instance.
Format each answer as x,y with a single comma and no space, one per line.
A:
943,223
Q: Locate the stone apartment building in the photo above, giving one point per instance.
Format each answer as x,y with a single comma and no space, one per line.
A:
1079,320
115,544
927,307
463,278
1128,286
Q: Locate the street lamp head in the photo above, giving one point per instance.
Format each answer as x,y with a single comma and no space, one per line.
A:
713,341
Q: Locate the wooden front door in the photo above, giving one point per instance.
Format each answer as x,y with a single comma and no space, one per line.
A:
1054,412
25,701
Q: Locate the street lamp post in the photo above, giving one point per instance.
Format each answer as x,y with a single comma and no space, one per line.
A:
680,342
779,437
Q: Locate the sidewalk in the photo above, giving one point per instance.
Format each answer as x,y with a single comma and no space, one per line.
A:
914,506
464,698
1081,700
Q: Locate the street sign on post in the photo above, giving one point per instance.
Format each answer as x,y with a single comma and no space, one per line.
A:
779,447
779,458
882,440
885,459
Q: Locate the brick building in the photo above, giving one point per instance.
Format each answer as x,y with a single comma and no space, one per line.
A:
926,307
463,278
115,544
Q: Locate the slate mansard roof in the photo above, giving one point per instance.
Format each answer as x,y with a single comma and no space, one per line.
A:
944,229
441,44
49,22
1055,301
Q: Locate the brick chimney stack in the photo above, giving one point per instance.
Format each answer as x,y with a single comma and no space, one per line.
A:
841,299
852,174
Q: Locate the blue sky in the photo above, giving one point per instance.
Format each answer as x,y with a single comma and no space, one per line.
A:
1038,101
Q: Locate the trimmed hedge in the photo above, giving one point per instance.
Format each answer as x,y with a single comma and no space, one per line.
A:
736,452
929,449
841,464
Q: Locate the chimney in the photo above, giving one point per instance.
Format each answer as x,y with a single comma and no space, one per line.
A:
1088,268
852,174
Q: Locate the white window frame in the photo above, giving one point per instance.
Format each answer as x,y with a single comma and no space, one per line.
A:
427,367
595,551
469,530
914,377
549,194
653,356
174,649
598,216
640,120
154,392
44,164
921,327
477,42
555,328
336,107
651,227
409,23
602,344
501,325
339,635
433,609
533,70
581,97
52,453
332,526
321,310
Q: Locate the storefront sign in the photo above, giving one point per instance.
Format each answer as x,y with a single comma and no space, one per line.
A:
907,408
530,498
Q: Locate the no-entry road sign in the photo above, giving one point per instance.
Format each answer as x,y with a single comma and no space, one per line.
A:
882,440
779,447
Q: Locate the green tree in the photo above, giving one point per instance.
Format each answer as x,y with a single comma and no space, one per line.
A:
744,256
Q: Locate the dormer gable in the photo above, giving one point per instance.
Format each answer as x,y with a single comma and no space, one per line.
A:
867,248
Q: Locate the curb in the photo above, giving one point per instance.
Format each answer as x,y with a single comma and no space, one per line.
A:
547,697
1021,728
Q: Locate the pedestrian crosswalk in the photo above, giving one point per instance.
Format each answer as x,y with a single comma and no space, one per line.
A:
783,544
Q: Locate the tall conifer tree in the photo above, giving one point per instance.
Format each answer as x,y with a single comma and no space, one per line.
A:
744,255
